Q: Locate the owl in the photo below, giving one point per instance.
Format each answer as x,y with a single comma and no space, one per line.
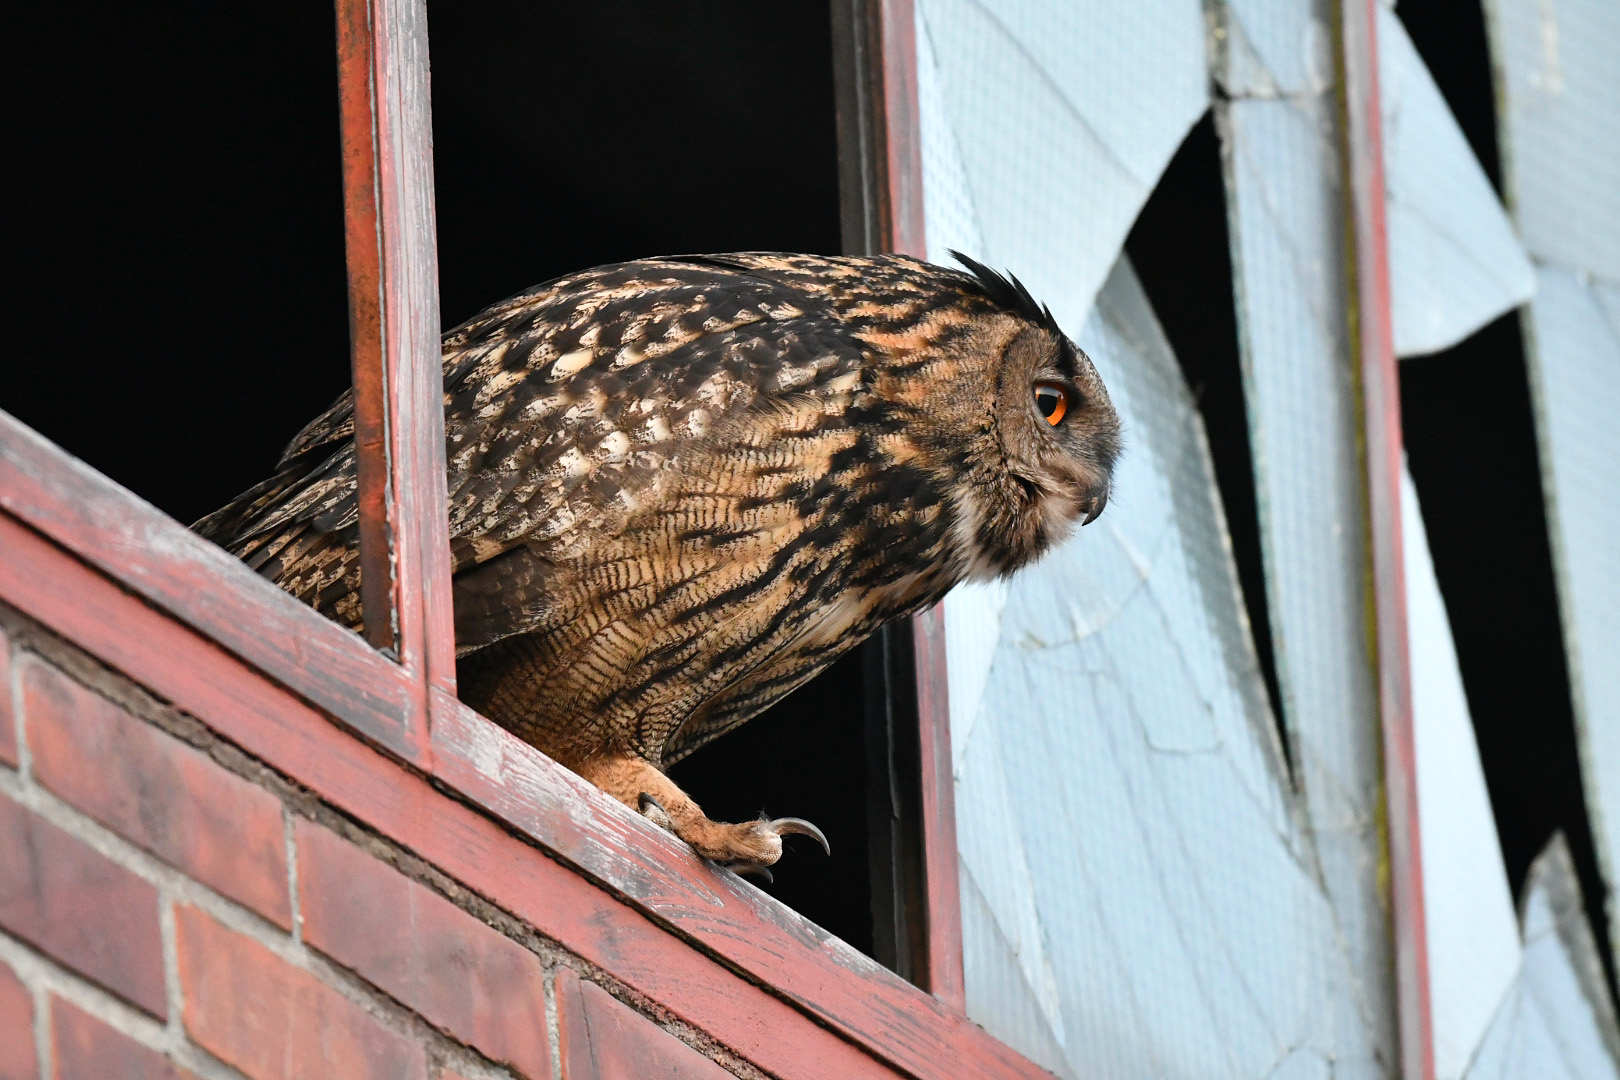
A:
679,488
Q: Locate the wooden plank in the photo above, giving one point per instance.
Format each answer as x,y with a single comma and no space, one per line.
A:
905,230
1372,332
862,190
413,381
904,226
204,586
666,899
394,333
879,135
363,254
941,879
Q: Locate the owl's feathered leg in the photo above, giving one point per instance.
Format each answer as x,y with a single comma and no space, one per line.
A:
744,844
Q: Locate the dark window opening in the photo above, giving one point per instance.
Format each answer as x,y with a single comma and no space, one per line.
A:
804,756
1180,249
182,242
571,135
566,136
1471,445
1450,36
177,238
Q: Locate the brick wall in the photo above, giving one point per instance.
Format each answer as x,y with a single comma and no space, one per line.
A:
170,907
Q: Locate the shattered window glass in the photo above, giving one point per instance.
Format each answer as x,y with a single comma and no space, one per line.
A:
1559,86
1148,888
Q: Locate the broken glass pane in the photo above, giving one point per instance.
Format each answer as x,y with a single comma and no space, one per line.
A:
1455,261
1559,86
1286,219
1473,933
1574,351
1556,1022
1560,130
1141,895
1055,107
1144,890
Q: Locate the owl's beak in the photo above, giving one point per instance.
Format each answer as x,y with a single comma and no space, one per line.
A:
1098,501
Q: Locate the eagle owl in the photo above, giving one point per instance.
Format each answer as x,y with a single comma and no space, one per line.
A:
681,487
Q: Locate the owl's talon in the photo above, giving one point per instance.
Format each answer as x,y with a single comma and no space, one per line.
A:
654,811
757,869
744,844
755,843
789,826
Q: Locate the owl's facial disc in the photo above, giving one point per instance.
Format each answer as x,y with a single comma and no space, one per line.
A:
1058,427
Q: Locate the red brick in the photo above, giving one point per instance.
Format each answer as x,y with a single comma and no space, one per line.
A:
80,907
87,1049
8,722
457,972
603,1039
17,1060
275,1021
163,795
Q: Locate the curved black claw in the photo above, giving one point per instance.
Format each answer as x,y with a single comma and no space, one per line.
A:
758,870
654,811
785,826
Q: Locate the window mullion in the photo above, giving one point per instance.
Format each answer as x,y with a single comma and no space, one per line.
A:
1372,333
394,321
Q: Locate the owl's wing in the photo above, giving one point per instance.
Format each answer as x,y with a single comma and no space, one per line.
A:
573,431
567,411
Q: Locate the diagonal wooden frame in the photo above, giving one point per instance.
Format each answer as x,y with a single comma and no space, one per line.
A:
394,341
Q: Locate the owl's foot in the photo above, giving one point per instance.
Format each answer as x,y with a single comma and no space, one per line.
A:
745,847
748,847
783,827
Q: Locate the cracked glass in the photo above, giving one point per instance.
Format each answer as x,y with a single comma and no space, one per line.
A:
1055,107
1172,900
1473,933
1559,86
1283,180
1148,886
1455,260
1556,1021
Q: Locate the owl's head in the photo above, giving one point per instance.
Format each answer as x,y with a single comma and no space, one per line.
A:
1034,433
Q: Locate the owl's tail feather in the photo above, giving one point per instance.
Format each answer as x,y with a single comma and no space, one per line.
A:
227,525
298,529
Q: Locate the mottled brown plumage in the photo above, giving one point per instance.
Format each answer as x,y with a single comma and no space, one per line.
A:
680,488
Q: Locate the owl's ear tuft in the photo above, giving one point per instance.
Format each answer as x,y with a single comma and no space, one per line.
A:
1008,292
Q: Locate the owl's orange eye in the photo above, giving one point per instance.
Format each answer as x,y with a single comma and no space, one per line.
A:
1052,400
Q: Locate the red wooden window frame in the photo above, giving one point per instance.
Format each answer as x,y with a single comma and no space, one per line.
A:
1379,383
145,594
